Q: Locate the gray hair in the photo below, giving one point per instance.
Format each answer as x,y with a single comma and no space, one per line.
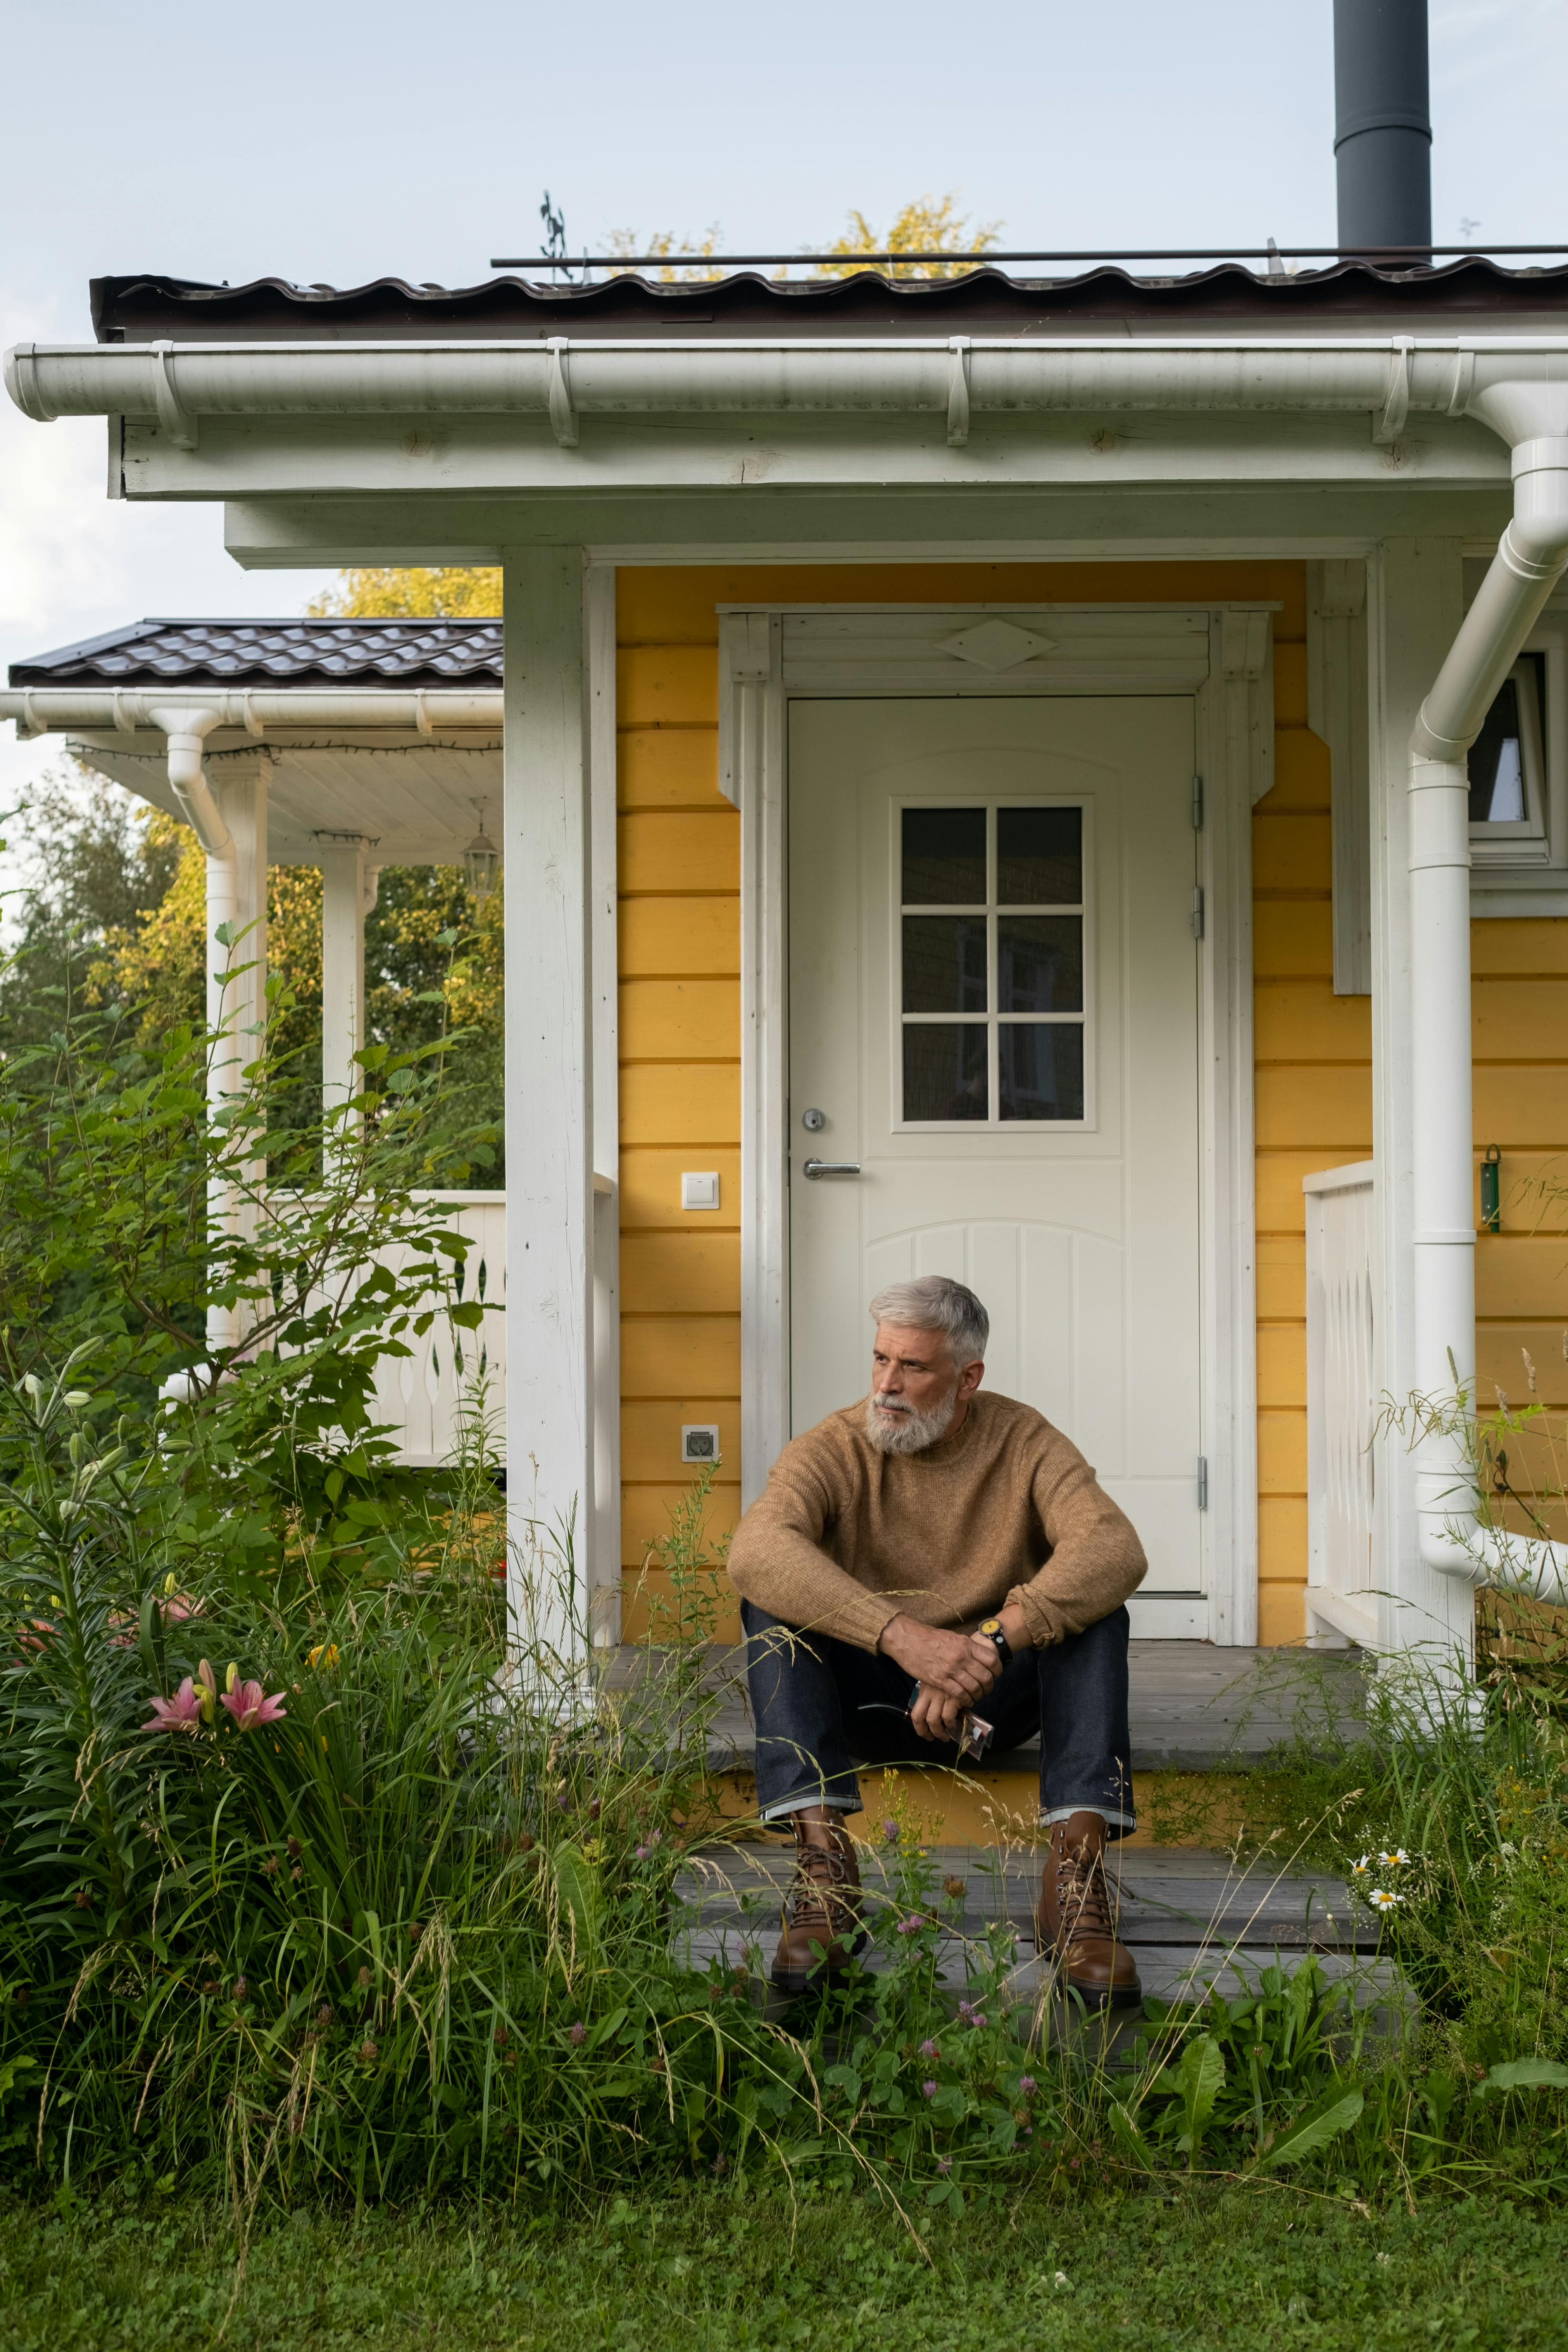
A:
935,1302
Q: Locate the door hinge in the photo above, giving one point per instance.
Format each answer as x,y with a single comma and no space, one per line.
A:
1197,804
1198,910
1202,1482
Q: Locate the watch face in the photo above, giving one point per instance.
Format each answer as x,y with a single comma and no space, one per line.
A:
990,1625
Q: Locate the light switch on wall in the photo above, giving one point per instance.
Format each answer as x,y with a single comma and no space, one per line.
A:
699,1189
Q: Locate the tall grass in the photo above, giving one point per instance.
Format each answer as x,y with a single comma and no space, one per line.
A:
379,1900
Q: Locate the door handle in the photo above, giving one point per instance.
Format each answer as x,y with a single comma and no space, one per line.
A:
815,1168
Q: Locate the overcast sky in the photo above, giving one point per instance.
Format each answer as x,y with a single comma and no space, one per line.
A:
338,141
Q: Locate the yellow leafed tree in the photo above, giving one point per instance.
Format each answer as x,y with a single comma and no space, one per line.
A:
461,591
930,225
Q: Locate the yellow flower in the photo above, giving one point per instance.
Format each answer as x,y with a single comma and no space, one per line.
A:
325,1653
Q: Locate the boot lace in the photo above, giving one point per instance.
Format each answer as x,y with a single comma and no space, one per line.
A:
819,1871
1083,1897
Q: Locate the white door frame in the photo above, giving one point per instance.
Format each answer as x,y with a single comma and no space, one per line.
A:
1222,656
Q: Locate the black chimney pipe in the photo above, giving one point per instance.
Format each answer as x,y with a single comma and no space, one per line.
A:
1383,123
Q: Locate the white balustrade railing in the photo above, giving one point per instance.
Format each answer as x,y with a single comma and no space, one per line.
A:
1341,1402
425,1395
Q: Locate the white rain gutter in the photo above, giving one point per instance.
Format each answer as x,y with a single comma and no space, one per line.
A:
954,377
1531,559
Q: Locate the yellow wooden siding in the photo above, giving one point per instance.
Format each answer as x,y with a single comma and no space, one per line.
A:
679,1090
1314,1056
1520,1001
679,943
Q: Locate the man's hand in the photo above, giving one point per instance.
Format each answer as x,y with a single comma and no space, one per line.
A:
953,1670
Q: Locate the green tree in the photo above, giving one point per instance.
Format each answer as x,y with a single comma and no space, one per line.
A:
103,863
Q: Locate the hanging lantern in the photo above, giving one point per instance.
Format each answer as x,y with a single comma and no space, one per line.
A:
482,863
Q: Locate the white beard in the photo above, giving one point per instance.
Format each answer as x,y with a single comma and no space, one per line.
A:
911,1432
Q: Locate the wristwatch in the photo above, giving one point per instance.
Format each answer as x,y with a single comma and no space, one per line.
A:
990,1628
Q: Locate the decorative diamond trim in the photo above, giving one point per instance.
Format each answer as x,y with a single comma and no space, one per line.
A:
998,644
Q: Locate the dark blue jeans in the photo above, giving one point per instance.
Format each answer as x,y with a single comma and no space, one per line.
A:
817,1703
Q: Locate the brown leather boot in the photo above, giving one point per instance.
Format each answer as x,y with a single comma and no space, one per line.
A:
1073,1921
822,1930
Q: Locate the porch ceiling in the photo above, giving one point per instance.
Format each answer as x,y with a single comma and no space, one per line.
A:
413,801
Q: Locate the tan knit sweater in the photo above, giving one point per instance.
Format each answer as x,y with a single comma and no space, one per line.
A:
844,1539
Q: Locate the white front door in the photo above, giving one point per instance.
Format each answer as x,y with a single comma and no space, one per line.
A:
994,1017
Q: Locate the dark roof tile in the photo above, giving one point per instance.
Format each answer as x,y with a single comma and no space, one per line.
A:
408,653
1472,290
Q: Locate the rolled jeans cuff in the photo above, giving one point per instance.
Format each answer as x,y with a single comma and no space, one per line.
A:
851,1804
1065,1813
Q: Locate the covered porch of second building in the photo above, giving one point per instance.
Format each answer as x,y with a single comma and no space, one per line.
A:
341,744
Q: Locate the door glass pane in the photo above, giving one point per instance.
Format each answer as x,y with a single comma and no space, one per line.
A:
1039,963
944,1070
944,857
944,963
1041,1069
1039,856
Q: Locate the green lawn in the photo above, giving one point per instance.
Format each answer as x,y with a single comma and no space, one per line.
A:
713,2271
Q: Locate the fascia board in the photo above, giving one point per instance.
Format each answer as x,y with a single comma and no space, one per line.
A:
492,456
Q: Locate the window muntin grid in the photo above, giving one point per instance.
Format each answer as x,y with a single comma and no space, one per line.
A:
990,978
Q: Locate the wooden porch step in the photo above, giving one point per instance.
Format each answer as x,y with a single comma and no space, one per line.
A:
1176,1897
1193,1922
1193,1707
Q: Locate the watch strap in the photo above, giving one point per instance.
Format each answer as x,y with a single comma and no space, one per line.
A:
991,1627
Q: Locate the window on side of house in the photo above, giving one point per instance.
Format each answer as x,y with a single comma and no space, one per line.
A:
1508,773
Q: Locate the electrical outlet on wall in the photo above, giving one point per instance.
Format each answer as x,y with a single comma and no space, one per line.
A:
700,1441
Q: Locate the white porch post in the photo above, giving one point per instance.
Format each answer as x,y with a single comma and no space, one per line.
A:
1416,610
549,1101
237,893
343,970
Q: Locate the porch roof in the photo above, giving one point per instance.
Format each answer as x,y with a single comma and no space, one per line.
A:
326,652
384,732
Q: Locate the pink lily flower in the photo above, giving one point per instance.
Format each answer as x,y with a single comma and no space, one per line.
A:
181,1713
251,1707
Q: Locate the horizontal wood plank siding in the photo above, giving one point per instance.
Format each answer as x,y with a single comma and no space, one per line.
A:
1520,1001
1313,1059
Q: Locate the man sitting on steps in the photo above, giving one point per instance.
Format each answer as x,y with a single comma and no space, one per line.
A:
938,1536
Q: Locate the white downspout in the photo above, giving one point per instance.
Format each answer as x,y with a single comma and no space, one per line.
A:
187,730
1529,561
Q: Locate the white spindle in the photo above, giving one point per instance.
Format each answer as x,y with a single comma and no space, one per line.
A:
1341,1403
